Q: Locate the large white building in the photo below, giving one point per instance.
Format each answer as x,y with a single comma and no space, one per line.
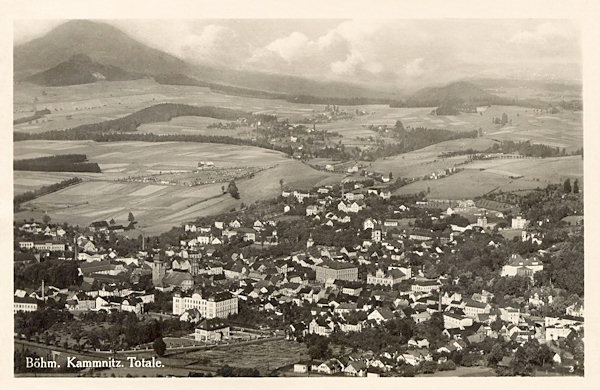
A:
519,223
517,266
25,304
336,270
218,305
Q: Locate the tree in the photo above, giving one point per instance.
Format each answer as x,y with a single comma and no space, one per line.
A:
46,219
159,346
576,186
233,190
495,355
130,217
567,186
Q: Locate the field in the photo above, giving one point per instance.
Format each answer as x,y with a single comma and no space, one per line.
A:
265,356
194,125
157,207
485,176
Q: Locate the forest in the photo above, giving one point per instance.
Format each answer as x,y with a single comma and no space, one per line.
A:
57,163
526,148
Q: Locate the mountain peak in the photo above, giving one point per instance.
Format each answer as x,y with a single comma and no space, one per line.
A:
98,41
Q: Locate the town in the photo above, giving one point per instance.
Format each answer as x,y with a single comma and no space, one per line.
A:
370,284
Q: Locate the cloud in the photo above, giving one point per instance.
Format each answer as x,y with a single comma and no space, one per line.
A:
354,64
414,68
213,44
544,33
294,45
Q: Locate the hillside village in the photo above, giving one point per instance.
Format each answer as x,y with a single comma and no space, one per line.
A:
372,284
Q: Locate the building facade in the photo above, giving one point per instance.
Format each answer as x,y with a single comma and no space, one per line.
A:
218,305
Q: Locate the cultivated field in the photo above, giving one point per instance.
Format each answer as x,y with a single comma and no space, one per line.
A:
485,176
194,125
157,207
265,356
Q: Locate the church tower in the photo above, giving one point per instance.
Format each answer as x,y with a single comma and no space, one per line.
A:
158,272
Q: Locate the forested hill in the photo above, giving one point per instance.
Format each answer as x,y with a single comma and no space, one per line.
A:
80,69
457,93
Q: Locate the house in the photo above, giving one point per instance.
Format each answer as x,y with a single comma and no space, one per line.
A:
24,304
356,368
99,226
453,321
554,333
575,310
519,223
213,329
177,278
353,207
216,305
301,368
421,317
247,234
320,326
509,314
381,315
425,286
473,308
391,278
368,224
517,266
336,270
331,366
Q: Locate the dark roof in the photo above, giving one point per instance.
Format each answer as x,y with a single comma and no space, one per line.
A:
25,300
336,264
212,324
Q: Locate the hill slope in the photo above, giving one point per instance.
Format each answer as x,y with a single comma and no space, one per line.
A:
80,69
454,93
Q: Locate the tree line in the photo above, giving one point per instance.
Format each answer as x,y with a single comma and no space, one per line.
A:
59,163
44,190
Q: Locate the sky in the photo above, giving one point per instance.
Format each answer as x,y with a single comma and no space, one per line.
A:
387,53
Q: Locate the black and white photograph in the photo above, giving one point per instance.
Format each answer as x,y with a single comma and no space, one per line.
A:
298,197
